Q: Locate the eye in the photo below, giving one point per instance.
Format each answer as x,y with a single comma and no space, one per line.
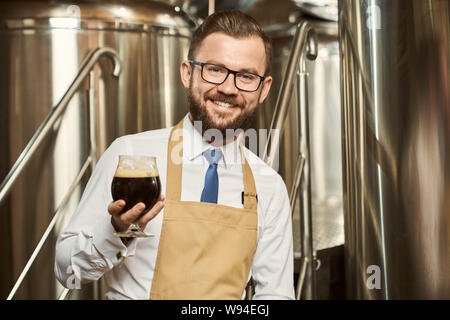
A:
214,69
246,76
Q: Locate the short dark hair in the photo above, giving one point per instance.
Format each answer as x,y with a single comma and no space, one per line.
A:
233,23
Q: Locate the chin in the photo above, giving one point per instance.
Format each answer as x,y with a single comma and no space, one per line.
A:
223,122
215,119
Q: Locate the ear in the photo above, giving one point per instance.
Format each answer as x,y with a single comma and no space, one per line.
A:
267,83
185,73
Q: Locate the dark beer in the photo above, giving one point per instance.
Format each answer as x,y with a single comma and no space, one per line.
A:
134,188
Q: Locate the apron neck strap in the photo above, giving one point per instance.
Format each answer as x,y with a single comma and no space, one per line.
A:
175,166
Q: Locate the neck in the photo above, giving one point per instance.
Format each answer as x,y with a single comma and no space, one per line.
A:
212,141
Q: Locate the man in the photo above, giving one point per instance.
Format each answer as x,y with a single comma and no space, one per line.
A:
226,215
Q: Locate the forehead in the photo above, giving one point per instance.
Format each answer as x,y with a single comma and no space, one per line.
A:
235,53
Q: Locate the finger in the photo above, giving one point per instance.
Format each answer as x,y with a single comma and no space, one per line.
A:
114,208
152,213
133,214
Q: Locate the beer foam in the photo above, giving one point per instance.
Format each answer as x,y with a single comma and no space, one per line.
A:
146,172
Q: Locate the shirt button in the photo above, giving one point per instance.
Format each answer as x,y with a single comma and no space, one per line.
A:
119,255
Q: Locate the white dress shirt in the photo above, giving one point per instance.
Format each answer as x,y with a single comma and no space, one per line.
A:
87,249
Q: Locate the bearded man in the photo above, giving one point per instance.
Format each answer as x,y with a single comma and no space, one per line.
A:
225,217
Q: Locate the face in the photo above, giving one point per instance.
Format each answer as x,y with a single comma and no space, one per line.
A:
224,106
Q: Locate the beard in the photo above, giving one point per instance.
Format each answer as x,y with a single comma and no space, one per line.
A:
199,113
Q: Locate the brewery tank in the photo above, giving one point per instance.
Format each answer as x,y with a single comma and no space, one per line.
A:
395,58
324,128
43,44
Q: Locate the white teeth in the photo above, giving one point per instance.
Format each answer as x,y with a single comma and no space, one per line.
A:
223,104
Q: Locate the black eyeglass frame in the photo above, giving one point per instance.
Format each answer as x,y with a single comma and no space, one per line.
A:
201,64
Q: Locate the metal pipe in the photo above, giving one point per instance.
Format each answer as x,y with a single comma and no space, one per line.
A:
296,183
97,285
305,187
49,228
304,38
304,47
43,131
47,125
92,120
301,279
211,7
64,294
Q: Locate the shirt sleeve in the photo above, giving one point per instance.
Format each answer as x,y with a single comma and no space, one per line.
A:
273,263
87,248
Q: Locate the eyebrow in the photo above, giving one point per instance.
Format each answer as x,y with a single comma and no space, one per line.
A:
240,70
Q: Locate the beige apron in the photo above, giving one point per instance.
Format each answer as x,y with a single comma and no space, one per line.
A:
205,249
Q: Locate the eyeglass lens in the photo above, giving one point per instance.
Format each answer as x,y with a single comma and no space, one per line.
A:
243,80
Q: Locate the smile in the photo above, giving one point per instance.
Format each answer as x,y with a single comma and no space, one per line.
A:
223,104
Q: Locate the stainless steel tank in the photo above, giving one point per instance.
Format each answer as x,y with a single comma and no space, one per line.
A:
43,44
395,75
324,119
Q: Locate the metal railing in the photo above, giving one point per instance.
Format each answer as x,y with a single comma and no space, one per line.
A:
43,131
304,46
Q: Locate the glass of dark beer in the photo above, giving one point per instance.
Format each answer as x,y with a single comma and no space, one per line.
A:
136,180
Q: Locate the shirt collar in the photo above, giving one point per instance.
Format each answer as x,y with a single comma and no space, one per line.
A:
194,145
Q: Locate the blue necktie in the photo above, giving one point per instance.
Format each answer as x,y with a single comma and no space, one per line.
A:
211,188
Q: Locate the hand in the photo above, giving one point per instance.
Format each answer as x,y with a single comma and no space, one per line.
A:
121,222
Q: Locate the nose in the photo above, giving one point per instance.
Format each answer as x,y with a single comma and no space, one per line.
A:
228,87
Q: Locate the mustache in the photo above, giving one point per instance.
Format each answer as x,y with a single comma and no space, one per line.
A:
224,98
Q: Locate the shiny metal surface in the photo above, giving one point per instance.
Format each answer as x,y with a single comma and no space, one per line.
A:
293,193
200,8
395,58
282,12
324,121
55,113
93,14
324,9
304,46
43,131
325,131
307,290
43,44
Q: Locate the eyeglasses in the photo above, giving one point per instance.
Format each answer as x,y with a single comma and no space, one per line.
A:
213,73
